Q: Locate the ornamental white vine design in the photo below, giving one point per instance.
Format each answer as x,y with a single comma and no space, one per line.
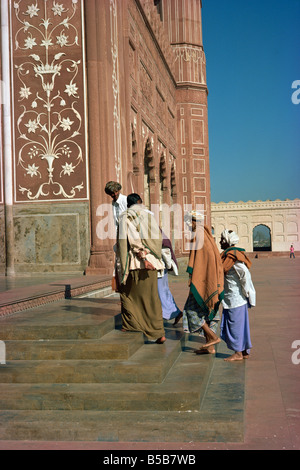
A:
49,121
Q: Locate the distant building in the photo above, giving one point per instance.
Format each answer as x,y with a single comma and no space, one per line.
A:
278,219
96,90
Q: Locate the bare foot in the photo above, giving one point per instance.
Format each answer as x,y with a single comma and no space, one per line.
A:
237,356
209,350
211,342
245,355
161,340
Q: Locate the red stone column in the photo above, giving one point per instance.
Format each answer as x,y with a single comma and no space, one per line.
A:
99,97
108,116
2,207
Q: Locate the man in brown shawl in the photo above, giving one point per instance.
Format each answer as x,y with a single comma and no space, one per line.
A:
201,310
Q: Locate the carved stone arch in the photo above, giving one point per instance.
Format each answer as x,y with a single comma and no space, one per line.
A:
158,4
163,172
173,183
131,182
149,163
262,238
134,153
149,172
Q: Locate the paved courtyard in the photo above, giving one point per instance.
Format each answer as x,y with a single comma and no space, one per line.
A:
272,390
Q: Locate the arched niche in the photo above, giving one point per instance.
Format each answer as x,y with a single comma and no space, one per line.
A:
149,172
163,184
262,240
173,183
134,153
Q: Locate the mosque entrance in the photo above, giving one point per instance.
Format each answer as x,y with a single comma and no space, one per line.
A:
262,238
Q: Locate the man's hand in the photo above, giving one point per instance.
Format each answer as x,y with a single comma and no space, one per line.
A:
149,266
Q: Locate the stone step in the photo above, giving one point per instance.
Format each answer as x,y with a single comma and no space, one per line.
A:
201,400
224,398
63,320
65,331
119,426
181,390
98,397
38,294
150,363
156,393
113,345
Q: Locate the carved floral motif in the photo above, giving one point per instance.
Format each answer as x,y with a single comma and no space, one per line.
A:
195,58
116,88
48,100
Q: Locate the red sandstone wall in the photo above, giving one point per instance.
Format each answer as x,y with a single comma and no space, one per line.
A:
152,103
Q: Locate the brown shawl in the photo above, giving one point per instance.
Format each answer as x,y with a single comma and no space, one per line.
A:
233,254
207,278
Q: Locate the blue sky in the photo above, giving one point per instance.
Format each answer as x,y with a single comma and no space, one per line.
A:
252,58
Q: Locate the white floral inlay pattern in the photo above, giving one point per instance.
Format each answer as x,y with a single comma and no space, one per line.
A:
50,124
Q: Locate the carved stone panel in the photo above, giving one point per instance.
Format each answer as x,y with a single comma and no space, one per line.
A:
50,161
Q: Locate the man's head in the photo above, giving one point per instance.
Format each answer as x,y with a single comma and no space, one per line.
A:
112,188
228,238
194,219
133,199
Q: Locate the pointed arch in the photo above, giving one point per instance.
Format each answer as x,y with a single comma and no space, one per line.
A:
163,173
134,153
262,240
149,171
173,182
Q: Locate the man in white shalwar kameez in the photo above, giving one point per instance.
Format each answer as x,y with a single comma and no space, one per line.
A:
239,294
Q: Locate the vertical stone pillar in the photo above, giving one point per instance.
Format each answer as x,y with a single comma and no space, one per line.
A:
184,23
106,103
2,208
6,185
96,49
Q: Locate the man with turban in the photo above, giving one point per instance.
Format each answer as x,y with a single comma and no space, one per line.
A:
201,310
239,293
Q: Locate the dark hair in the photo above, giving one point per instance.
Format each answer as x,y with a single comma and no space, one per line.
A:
112,187
133,199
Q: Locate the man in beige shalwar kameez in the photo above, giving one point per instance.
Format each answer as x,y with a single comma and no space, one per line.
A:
139,259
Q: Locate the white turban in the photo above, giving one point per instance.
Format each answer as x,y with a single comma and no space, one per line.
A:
193,215
231,238
197,215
